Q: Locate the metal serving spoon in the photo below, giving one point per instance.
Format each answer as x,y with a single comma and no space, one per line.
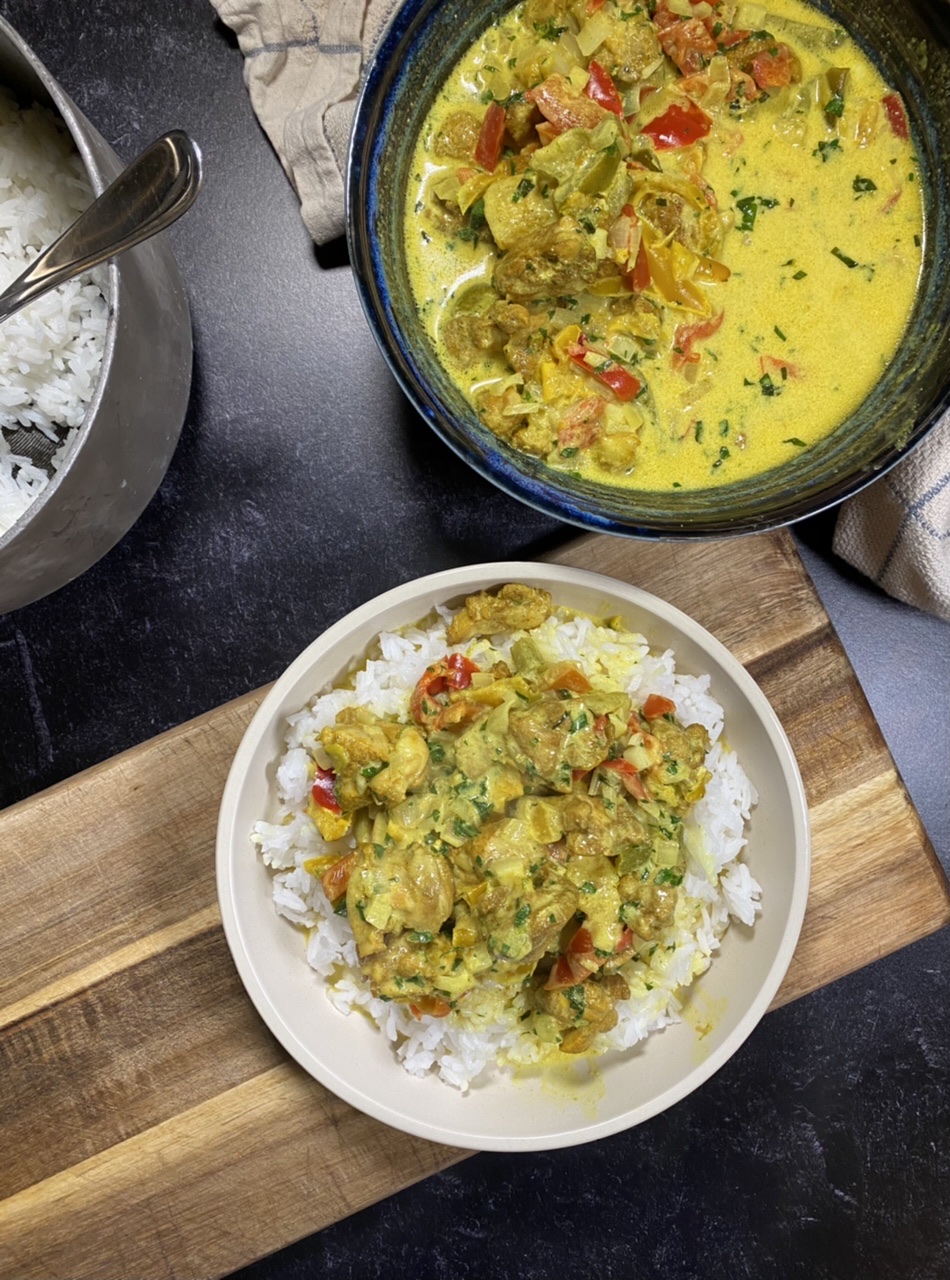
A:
155,189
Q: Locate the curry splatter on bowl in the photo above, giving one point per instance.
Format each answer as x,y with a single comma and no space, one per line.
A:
603,420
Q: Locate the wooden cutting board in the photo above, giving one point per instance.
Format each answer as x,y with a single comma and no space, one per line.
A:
151,1126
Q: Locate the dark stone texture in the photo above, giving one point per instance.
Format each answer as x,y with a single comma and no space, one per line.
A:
303,485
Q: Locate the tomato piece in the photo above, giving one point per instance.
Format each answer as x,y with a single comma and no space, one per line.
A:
625,941
576,962
336,878
565,675
488,146
774,69
434,1005
678,127
896,116
726,39
563,107
581,943
656,705
685,41
580,426
629,776
594,5
324,790
563,975
601,88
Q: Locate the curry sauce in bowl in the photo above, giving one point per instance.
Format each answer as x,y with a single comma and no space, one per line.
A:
660,270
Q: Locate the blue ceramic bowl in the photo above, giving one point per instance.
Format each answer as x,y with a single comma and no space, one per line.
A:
909,41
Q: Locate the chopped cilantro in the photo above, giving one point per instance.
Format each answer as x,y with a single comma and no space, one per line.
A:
843,257
824,149
549,30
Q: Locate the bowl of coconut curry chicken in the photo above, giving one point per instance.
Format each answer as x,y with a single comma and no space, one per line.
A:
659,268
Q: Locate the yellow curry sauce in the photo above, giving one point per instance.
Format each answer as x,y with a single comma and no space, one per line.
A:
664,246
523,827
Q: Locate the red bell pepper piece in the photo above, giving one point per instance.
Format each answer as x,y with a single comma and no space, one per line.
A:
336,878
453,672
623,384
686,334
678,127
896,115
324,790
488,146
656,705
639,277
600,88
629,777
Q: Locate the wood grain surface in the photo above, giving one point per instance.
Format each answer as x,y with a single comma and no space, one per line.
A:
151,1126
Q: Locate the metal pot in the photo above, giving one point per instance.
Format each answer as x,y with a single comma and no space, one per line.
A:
135,417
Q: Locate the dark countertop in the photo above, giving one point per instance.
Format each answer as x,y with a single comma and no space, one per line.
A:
303,485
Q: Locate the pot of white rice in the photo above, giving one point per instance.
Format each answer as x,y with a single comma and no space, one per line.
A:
95,376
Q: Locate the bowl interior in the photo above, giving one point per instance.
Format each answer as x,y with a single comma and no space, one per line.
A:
351,1058
910,42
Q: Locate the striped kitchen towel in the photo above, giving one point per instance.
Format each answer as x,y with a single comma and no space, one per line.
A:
302,65
897,531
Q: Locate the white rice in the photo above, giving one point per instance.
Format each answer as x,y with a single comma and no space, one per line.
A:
50,351
717,886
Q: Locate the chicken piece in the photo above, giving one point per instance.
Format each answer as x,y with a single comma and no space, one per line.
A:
678,779
649,907
409,971
553,736
527,336
516,206
536,436
556,261
583,1011
520,121
525,351
521,921
502,414
457,137
513,607
470,338
375,761
591,829
510,317
630,49
393,889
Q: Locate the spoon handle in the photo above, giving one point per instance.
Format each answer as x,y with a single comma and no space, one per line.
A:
156,188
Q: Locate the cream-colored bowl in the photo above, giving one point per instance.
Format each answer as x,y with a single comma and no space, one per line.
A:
352,1058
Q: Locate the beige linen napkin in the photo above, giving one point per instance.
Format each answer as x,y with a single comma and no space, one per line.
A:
302,65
